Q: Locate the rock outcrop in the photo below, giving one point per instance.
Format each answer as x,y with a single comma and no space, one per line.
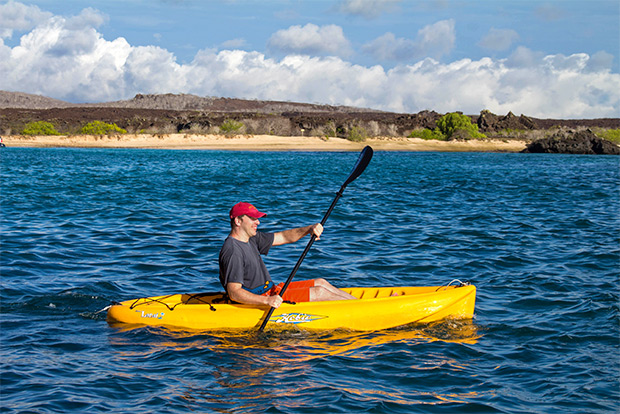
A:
488,122
582,142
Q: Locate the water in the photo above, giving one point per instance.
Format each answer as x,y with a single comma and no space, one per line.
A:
538,235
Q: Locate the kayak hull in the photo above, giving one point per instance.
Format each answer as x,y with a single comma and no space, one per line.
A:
375,309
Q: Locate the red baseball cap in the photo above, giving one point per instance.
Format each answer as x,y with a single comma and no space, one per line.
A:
247,209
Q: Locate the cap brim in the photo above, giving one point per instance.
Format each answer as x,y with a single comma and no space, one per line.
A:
258,214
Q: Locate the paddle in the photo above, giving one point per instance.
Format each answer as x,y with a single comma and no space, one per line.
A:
358,169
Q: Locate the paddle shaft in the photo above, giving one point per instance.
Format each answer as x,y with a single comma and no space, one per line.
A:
302,257
360,166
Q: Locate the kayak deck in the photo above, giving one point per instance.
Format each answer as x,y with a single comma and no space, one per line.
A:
376,308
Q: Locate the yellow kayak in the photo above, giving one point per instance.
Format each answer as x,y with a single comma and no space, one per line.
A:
375,308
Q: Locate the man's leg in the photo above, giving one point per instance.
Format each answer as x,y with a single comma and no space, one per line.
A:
323,290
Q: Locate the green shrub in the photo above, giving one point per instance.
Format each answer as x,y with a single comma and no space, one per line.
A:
330,129
450,126
427,134
101,128
231,126
612,135
357,134
458,124
40,128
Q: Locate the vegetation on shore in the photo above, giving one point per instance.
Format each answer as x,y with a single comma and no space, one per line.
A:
92,128
101,128
451,126
612,135
357,134
231,127
40,128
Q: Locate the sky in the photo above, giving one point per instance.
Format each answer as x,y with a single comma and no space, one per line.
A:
545,59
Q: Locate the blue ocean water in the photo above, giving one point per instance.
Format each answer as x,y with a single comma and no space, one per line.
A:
539,235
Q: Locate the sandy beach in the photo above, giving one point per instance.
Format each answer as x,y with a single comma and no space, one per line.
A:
258,143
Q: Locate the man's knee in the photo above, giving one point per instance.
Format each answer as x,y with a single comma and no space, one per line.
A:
319,293
321,282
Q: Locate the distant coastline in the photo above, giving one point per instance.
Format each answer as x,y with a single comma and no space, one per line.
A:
180,121
189,114
259,143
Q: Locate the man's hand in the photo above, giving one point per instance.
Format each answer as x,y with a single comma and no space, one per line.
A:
237,293
274,301
317,230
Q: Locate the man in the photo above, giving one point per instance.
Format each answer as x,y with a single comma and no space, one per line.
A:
244,274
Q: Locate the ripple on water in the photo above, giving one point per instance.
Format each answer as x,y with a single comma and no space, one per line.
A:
537,234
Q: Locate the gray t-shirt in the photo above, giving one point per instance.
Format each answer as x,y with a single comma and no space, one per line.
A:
240,262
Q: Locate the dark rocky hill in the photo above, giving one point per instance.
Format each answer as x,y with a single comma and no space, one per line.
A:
171,113
176,102
29,101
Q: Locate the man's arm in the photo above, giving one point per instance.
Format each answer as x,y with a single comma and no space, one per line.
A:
237,293
293,235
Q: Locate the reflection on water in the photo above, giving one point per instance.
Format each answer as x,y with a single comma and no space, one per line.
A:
307,344
248,366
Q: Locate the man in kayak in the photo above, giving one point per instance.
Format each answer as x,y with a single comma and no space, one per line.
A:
244,274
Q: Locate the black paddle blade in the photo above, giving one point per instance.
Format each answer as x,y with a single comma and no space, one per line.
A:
360,165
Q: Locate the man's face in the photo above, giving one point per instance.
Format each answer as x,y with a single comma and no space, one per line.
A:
249,225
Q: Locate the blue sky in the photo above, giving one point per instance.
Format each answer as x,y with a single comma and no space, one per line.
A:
555,59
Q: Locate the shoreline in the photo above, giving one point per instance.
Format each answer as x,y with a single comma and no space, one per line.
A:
258,143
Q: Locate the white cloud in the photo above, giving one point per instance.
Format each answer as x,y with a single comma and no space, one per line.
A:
66,60
18,16
234,44
388,47
367,8
600,61
439,37
88,18
499,39
434,40
155,69
311,40
524,58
